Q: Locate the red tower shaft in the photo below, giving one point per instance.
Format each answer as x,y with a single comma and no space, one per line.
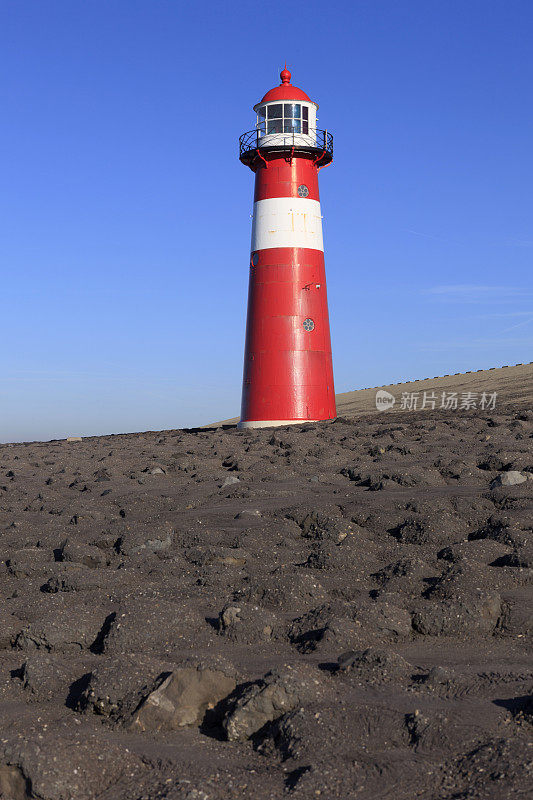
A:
288,373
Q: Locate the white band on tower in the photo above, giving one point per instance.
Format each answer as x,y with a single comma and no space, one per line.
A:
287,222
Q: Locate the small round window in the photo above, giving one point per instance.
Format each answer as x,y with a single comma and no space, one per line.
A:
309,325
254,259
303,191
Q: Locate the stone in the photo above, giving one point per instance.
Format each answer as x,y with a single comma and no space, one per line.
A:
230,480
102,475
229,616
510,478
74,439
183,699
157,471
156,545
438,676
374,665
262,703
13,784
279,692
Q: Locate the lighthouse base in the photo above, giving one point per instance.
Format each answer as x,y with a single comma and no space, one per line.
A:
272,423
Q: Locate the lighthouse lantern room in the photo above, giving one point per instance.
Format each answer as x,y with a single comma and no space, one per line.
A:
288,373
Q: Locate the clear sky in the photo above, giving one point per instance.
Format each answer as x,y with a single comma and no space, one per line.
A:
125,213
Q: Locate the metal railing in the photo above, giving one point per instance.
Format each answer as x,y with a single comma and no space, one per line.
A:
314,140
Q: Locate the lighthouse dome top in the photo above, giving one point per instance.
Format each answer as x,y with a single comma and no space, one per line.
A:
285,91
286,122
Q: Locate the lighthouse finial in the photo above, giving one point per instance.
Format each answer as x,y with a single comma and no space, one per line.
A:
285,75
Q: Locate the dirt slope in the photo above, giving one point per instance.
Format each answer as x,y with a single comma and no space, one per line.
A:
337,610
512,384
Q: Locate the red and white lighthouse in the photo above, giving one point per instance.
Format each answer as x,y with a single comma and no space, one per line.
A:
288,372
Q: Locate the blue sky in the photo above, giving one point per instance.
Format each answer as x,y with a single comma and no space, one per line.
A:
125,213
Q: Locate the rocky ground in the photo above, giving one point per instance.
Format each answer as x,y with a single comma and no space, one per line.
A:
335,610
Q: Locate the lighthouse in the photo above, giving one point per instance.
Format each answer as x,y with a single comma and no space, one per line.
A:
288,372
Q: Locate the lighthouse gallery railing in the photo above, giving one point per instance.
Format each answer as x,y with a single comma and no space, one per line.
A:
314,140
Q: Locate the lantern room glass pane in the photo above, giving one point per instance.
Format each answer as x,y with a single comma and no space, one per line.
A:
292,125
275,126
305,126
305,112
291,110
261,114
275,111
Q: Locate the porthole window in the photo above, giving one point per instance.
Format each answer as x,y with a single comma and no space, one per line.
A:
309,325
303,191
254,259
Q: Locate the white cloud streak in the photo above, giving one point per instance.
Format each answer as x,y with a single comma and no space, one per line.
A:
474,293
